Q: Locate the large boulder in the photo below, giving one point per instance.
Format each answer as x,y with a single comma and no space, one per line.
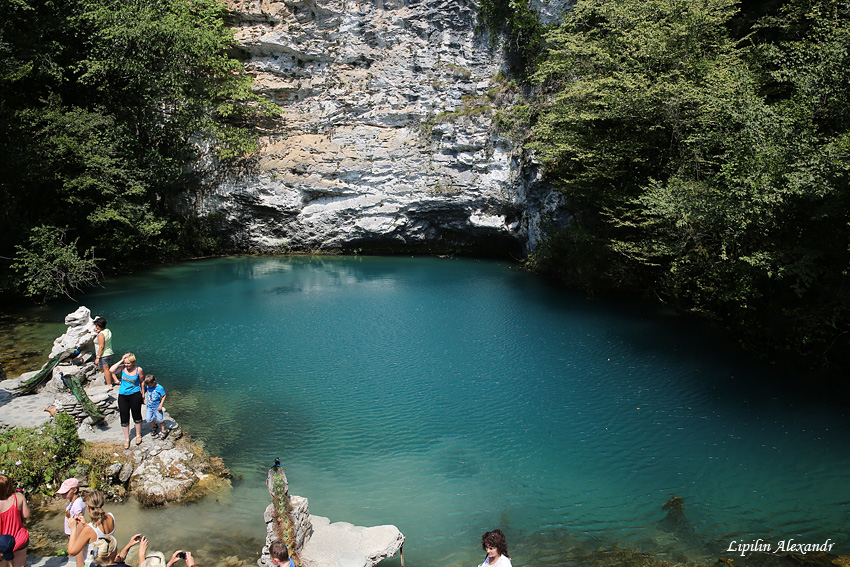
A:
341,544
164,476
80,334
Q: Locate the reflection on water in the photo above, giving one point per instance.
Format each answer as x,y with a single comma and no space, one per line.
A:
449,397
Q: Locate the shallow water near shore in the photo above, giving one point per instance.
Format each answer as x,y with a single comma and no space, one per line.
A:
450,397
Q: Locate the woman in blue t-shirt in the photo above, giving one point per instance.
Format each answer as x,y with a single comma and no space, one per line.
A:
129,395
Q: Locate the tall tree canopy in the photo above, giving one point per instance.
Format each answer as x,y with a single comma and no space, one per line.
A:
103,105
708,168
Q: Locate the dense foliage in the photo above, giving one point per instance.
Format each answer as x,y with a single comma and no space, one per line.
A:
104,105
39,459
522,31
706,160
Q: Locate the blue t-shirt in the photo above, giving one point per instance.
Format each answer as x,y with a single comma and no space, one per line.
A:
154,395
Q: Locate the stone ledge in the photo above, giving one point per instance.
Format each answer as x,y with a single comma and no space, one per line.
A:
341,544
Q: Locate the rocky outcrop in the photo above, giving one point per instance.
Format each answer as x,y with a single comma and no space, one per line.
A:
80,334
165,472
341,543
313,541
157,471
385,140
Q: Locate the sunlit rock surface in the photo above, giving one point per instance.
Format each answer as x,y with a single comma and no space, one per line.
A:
386,139
317,541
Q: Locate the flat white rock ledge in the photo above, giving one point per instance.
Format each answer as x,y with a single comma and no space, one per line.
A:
341,544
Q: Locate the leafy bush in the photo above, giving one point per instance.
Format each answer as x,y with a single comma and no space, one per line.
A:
39,459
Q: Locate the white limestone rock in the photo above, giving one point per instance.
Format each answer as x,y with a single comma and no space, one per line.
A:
386,139
80,334
301,518
341,544
79,318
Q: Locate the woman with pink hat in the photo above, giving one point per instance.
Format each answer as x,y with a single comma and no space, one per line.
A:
70,489
13,511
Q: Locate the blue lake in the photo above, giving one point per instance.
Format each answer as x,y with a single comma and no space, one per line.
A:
450,397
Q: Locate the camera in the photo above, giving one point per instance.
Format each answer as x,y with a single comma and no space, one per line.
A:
182,555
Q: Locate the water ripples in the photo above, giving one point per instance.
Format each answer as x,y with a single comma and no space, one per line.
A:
451,397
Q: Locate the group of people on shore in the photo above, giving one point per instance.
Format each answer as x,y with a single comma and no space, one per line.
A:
134,387
90,543
93,542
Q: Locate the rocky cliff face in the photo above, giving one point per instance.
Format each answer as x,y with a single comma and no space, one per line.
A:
385,142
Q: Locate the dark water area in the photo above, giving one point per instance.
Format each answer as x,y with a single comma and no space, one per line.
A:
450,397
26,337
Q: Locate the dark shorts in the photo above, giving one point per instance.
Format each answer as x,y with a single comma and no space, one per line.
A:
106,360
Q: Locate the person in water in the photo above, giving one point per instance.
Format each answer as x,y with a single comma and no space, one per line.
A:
129,395
496,547
103,351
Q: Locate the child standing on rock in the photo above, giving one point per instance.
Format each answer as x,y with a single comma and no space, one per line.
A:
154,398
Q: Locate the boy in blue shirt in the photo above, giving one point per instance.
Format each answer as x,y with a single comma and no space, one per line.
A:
279,554
154,398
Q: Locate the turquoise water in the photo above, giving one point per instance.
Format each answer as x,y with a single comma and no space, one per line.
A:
450,397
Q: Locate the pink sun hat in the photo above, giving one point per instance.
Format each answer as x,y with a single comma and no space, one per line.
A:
68,485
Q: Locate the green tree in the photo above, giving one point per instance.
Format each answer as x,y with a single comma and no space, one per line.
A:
106,107
520,28
50,267
711,171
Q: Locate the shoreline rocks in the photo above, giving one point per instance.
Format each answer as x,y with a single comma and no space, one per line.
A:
155,472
